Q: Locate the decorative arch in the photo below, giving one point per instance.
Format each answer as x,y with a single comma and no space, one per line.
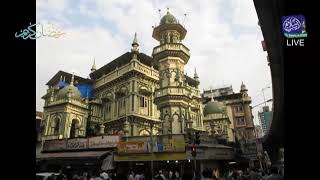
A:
75,127
107,97
144,132
121,91
55,125
144,90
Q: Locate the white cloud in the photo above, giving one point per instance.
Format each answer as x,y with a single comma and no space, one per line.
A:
245,13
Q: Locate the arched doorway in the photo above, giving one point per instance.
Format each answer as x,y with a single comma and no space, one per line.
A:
74,131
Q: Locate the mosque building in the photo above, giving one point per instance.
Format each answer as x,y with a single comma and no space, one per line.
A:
137,95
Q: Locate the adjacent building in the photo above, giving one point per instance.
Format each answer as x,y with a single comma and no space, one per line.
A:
265,118
39,117
238,109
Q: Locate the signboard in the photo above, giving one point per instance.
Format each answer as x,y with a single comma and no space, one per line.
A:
77,143
54,145
132,147
151,156
103,142
170,145
212,153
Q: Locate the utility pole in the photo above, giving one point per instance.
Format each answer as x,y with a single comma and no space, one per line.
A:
264,98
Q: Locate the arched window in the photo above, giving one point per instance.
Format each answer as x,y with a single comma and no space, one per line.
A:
74,131
55,124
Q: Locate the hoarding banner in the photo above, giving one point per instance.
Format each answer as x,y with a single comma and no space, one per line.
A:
132,147
103,142
54,145
78,143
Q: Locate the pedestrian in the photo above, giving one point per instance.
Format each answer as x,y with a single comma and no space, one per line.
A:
254,175
207,175
142,177
229,174
215,173
61,175
75,176
264,175
131,176
196,175
188,175
176,175
137,176
104,175
162,175
240,175
170,175
84,176
274,174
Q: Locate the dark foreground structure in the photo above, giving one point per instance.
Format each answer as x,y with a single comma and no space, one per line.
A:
269,13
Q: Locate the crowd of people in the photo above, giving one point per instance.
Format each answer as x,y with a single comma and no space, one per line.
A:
206,174
253,174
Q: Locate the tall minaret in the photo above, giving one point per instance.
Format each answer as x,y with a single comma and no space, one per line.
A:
172,98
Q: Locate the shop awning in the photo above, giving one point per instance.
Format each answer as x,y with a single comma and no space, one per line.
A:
63,155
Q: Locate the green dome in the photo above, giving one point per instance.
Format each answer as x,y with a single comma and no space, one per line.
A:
63,93
213,107
168,19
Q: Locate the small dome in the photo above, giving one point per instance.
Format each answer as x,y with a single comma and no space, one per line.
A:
75,93
168,19
213,107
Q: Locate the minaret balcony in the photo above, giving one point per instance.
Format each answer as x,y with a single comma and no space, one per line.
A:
172,91
171,47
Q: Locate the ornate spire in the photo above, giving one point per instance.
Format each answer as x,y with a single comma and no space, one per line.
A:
135,47
72,79
93,68
196,77
135,40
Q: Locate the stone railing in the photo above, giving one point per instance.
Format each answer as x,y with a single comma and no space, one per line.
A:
238,114
175,46
73,101
125,69
50,137
143,111
172,91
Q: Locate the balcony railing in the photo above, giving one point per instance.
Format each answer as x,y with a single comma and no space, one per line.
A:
171,46
239,114
172,91
127,68
76,102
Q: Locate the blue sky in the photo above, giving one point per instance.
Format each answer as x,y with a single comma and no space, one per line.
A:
223,37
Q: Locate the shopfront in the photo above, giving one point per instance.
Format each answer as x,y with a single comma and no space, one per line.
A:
85,154
212,156
146,157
